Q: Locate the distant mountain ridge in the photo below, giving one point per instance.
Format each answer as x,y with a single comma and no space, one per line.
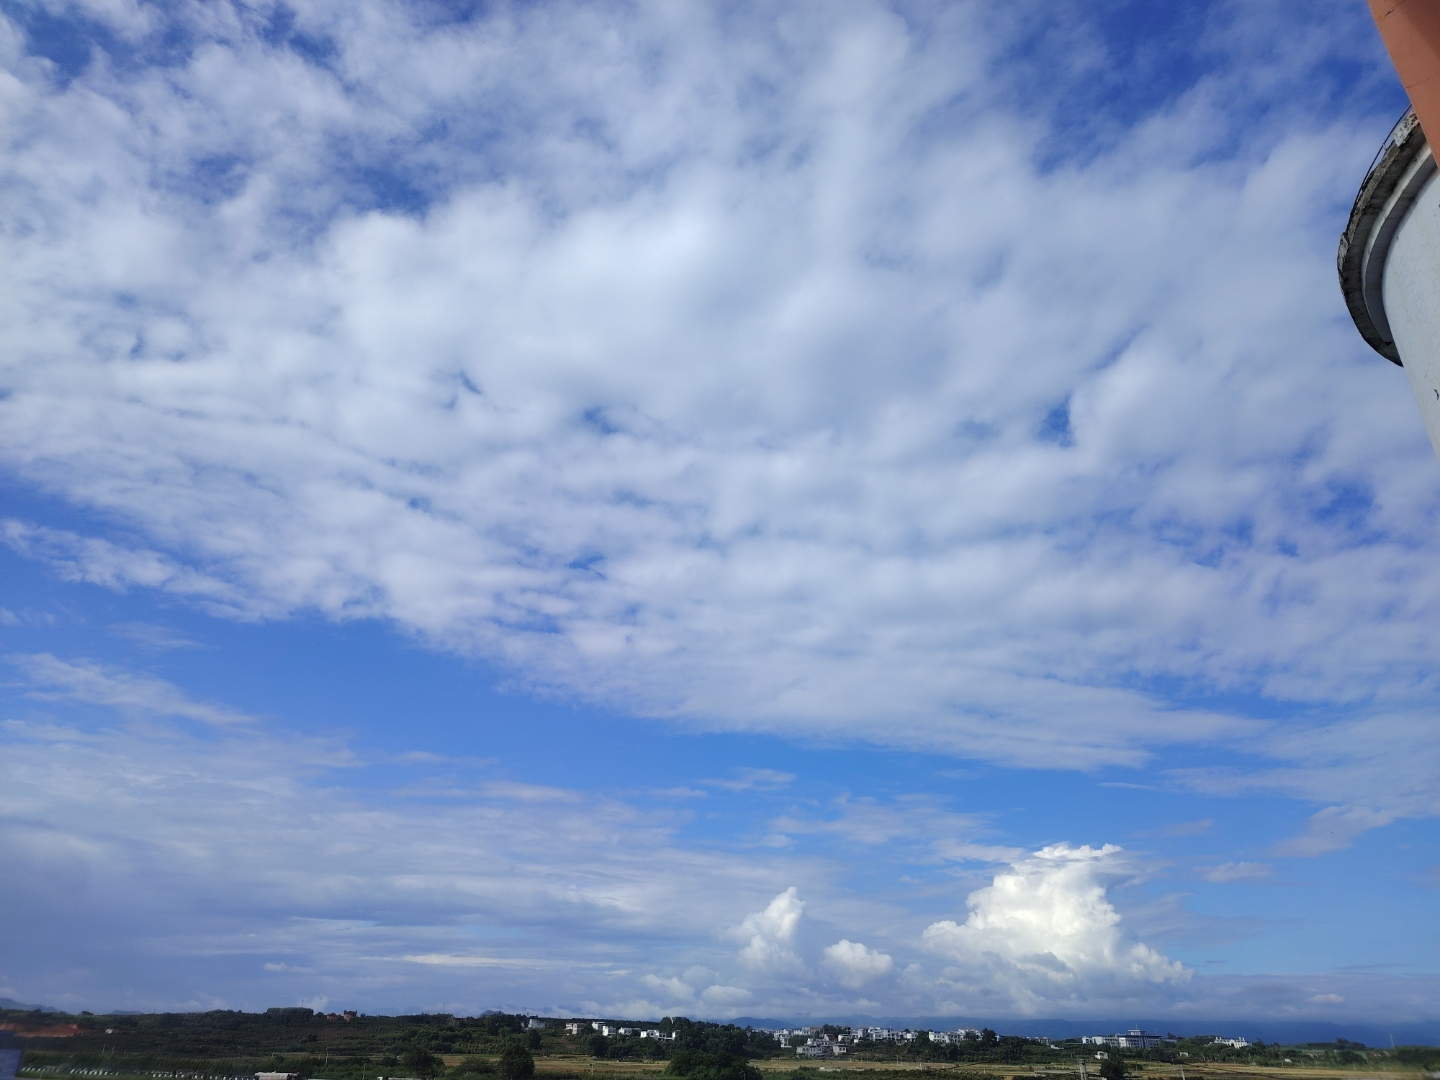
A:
11,1003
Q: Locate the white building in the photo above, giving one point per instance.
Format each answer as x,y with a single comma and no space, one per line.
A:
823,1046
959,1035
1238,1044
1134,1039
879,1034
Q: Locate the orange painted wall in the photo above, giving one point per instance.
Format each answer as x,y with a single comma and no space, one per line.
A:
1411,29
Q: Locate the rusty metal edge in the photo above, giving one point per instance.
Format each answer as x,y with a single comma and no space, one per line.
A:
1404,144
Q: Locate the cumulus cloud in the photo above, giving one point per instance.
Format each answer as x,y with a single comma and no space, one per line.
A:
1045,933
769,935
856,964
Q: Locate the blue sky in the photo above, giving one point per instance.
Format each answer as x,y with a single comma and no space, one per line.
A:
788,510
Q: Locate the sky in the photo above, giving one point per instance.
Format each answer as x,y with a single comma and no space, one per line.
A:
808,509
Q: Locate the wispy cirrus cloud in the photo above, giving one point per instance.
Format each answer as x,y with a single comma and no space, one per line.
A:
1333,829
1225,873
116,566
752,779
52,679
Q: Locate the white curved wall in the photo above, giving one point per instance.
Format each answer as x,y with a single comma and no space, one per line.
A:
1412,301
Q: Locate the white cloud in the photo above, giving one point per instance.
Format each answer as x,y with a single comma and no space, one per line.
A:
672,989
856,964
769,935
726,996
150,636
100,562
1371,769
644,383
1044,934
872,822
81,680
1333,829
260,852
749,779
282,864
1235,871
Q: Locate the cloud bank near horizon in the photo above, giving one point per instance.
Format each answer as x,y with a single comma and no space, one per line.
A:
255,863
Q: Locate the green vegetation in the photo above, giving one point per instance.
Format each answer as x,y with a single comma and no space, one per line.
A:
194,1046
332,1047
1422,1057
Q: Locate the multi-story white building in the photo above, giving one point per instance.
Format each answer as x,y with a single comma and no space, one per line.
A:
879,1034
1134,1039
959,1035
824,1046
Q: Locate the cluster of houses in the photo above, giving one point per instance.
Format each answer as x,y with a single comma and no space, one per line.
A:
1136,1039
610,1030
820,1044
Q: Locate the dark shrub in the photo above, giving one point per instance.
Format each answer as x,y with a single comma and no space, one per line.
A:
698,1065
516,1063
420,1062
